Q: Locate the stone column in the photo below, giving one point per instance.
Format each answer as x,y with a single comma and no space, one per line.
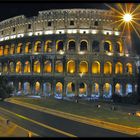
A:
101,90
123,88
64,89
41,88
32,88
22,66
89,86
42,46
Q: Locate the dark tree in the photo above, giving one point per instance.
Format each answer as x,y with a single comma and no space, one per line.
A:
5,88
138,82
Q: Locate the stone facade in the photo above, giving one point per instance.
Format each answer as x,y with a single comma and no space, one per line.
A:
66,53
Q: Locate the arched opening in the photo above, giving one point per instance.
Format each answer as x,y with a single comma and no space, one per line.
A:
59,89
83,45
95,90
107,46
1,50
18,67
12,49
95,67
82,89
70,89
48,46
118,89
118,47
118,68
107,90
96,23
6,50
83,67
71,66
71,45
128,89
27,88
129,68
47,89
59,45
47,66
107,68
28,47
27,67
19,48
95,46
11,83
37,88
11,67
58,66
37,68
37,47
5,68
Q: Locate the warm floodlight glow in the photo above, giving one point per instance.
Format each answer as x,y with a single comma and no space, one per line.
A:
127,17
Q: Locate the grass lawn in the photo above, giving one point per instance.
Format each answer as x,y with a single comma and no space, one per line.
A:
87,110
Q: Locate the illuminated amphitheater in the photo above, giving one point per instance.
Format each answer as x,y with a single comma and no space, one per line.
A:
67,52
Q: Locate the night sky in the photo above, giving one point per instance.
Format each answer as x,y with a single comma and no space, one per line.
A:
29,9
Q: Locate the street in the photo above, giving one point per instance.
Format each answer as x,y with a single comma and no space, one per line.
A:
47,125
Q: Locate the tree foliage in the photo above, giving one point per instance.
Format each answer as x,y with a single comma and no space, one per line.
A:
5,88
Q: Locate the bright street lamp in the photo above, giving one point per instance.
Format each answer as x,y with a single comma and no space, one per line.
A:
127,17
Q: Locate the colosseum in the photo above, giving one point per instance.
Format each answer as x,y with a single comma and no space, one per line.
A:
67,52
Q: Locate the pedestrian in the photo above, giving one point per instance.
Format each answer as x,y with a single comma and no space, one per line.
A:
29,134
76,98
98,106
7,122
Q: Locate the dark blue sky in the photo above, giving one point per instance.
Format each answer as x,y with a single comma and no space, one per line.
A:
29,9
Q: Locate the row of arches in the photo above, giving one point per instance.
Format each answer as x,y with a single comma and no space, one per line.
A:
70,67
47,89
59,46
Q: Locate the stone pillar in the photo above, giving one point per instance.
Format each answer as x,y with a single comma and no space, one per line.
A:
64,88
101,46
54,46
22,66
113,68
32,88
101,90
54,87
101,67
113,48
41,88
33,44
53,65
77,88
113,86
90,67
32,64
133,87
123,88
41,65
22,88
16,87
89,89
23,47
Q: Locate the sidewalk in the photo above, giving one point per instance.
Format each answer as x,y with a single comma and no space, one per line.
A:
89,121
10,129
121,107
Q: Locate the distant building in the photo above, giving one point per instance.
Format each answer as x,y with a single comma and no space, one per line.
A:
67,52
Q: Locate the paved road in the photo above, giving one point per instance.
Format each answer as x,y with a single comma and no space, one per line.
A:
47,125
